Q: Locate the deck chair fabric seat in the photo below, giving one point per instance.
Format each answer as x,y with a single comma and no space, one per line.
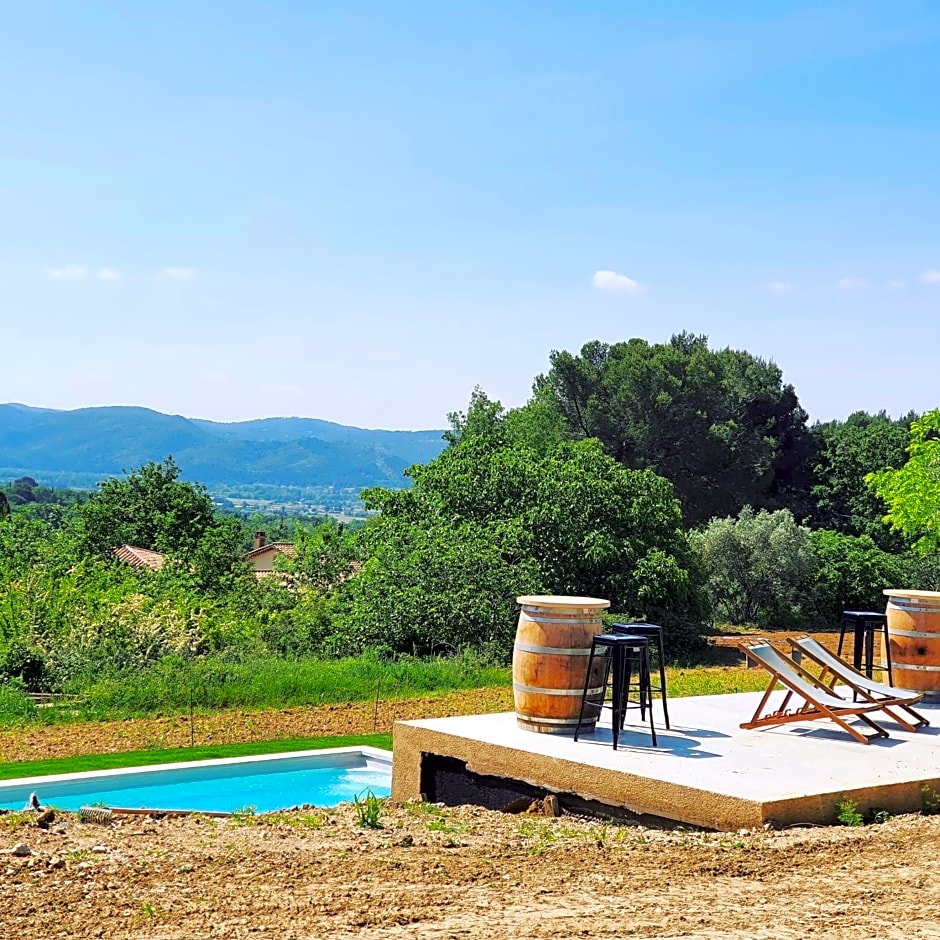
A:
819,701
836,669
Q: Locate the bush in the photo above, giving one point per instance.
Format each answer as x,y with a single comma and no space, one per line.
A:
757,566
852,572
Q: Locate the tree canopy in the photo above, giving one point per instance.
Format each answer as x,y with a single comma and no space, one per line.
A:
720,425
846,451
912,492
150,508
492,518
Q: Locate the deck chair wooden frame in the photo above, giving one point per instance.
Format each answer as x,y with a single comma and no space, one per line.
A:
837,670
819,702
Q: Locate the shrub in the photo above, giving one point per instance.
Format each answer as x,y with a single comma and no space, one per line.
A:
851,573
757,566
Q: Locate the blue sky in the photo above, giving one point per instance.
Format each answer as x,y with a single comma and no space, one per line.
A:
360,211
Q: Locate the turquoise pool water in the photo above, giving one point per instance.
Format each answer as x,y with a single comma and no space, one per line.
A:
320,778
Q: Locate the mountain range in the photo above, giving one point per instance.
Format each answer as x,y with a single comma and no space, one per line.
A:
94,443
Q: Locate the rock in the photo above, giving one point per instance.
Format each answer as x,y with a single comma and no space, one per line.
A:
21,850
45,818
56,862
100,849
551,806
406,841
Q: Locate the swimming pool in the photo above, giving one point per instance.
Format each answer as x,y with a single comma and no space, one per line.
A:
266,782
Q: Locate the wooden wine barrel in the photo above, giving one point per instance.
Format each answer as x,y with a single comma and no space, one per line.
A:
914,635
549,663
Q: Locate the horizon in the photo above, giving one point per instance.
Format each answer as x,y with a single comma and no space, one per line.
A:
247,212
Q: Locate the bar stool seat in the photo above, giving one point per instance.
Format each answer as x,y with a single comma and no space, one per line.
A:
621,652
654,633
865,624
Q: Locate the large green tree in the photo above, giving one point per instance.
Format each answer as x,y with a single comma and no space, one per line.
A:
846,451
912,491
492,518
151,508
721,425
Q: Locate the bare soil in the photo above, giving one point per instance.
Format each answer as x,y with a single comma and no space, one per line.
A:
235,726
439,873
432,872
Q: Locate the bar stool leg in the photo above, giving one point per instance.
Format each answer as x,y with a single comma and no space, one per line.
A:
660,657
858,647
869,649
887,641
587,682
618,698
841,637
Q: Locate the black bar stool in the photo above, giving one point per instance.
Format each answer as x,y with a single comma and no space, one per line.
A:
654,634
864,624
621,652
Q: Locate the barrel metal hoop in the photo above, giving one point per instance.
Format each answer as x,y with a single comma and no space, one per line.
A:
552,650
915,634
518,687
913,604
533,720
895,666
570,621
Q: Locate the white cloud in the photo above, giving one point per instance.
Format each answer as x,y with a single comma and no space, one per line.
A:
69,273
897,285
930,277
778,287
178,273
852,283
108,274
611,281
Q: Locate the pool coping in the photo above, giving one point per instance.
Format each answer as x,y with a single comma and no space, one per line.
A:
376,758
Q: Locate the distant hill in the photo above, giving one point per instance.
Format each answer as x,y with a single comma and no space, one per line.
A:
95,443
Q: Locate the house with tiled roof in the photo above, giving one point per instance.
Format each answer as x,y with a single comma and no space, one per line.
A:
262,555
138,557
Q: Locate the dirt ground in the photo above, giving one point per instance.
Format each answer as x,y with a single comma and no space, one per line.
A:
235,726
438,873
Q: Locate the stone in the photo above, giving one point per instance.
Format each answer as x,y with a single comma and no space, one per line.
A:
45,818
21,850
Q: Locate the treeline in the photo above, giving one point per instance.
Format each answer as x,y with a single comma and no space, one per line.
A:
683,483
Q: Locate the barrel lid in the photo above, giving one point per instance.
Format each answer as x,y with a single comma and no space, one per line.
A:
902,592
561,600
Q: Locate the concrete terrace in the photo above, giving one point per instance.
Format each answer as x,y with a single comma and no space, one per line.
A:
707,771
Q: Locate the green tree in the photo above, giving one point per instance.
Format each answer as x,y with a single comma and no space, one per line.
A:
759,565
846,451
324,557
912,491
4,508
852,572
490,519
720,425
150,508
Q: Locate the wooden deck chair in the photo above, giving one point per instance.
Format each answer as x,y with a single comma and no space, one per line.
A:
836,670
819,702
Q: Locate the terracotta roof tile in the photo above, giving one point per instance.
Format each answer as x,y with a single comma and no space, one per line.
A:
139,557
286,548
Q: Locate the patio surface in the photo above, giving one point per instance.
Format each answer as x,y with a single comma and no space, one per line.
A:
707,771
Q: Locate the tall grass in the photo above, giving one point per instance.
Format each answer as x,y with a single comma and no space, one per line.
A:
175,685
